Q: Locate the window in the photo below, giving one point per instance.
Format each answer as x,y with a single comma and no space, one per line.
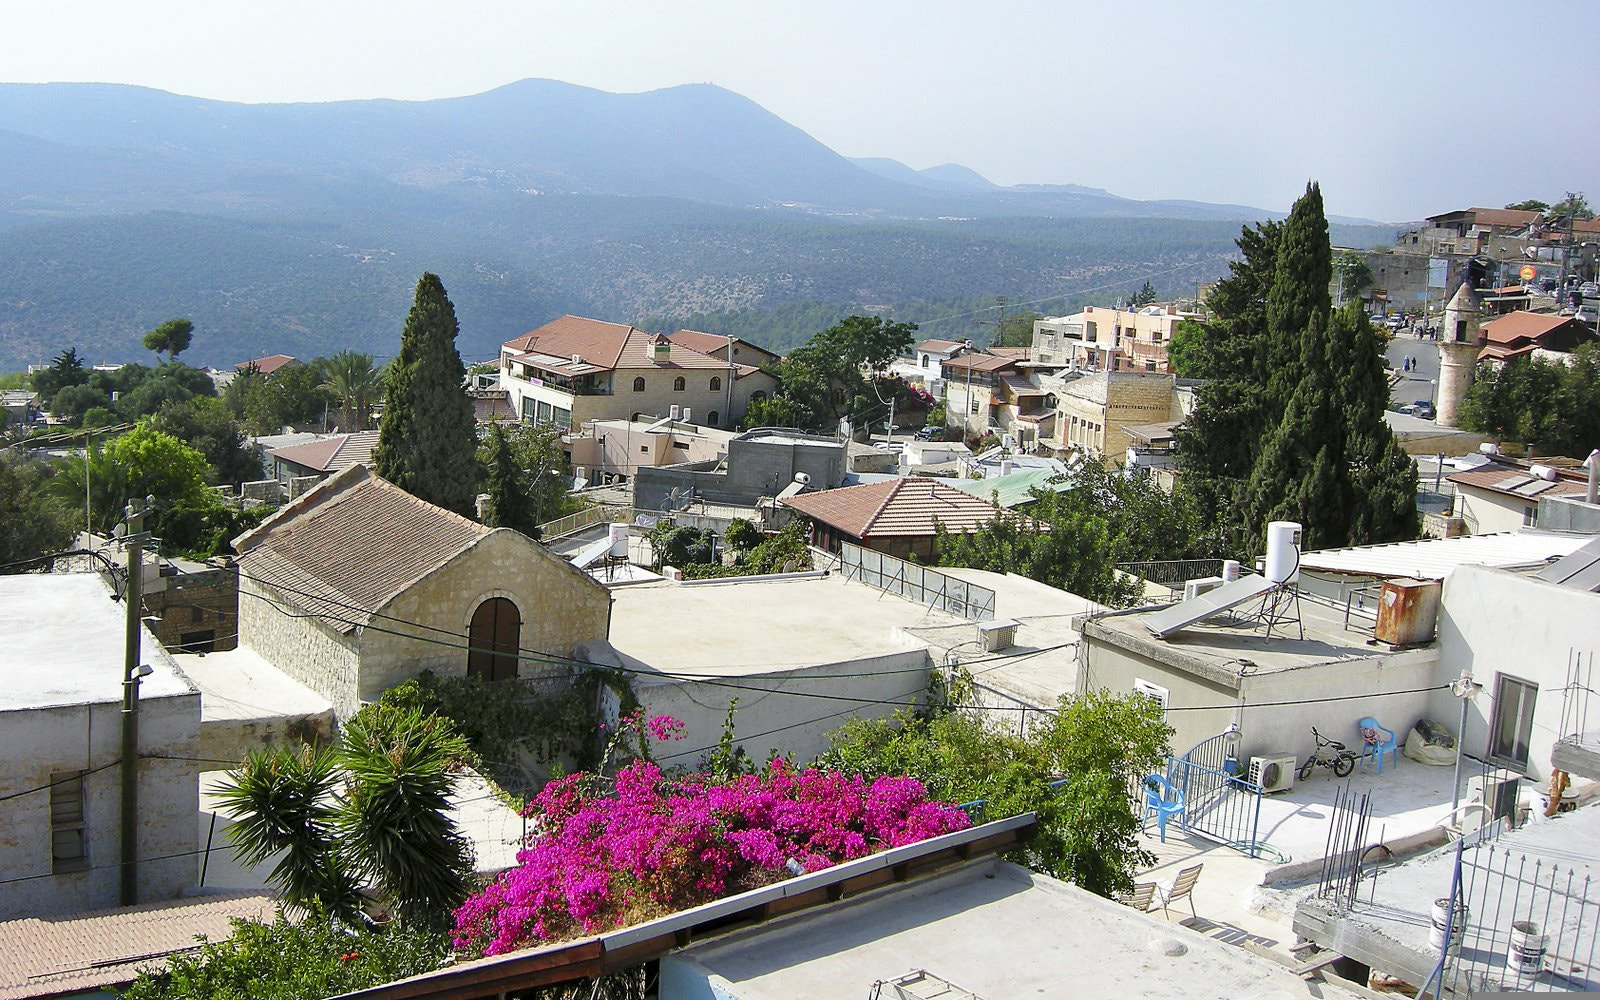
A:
678,384
1153,691
758,394
196,615
527,408
716,383
492,640
972,403
1529,516
924,361
638,384
69,847
1511,726
544,412
711,419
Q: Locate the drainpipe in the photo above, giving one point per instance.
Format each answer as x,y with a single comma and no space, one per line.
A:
1592,494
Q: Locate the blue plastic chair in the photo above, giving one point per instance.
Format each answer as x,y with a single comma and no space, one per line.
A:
1385,743
1161,799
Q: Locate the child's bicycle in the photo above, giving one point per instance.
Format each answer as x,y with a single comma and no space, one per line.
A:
1329,753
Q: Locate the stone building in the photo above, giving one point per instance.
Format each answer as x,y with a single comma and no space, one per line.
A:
358,586
574,370
1093,413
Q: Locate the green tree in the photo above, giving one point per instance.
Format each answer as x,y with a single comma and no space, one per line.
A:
1143,297
427,438
70,403
1292,424
1573,206
1552,406
33,519
829,376
142,391
207,425
538,473
173,337
1186,354
154,463
1016,330
1353,272
1088,829
304,959
291,396
371,810
506,486
67,369
353,382
107,491
1531,205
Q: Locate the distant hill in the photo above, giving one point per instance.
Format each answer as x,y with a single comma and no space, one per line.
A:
301,228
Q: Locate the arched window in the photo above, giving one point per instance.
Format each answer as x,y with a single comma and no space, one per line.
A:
493,639
758,394
678,384
711,419
716,382
638,384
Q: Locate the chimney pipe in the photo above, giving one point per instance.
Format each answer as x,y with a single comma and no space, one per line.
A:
1592,495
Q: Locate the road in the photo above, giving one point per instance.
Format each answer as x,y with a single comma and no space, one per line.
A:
1418,383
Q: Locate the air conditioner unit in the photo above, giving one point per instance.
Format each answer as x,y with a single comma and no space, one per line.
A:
1274,772
1194,588
1499,790
998,634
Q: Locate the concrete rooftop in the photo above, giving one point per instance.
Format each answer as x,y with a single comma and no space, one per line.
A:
1229,639
64,644
741,627
237,684
990,928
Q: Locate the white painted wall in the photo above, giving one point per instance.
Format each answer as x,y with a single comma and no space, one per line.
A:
1496,621
803,722
38,743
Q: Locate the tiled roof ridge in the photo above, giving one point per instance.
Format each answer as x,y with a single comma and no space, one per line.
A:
887,500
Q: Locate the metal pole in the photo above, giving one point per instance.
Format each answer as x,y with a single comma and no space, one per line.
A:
1455,785
130,712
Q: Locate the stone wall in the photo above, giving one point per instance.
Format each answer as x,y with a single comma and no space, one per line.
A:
560,606
41,744
198,612
307,649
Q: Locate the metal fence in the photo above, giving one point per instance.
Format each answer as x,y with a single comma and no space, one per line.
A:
588,517
1218,804
926,586
1172,573
1531,925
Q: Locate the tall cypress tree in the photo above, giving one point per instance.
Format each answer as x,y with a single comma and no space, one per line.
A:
509,503
427,440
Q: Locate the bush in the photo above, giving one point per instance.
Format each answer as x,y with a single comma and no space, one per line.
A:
648,845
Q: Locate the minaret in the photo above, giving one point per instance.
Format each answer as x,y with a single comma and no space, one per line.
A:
1458,352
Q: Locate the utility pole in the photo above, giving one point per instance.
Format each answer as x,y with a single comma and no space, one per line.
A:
132,671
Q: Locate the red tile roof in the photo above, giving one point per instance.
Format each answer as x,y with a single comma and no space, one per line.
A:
106,948
1512,327
354,542
711,343
605,346
333,454
268,364
979,362
896,507
939,346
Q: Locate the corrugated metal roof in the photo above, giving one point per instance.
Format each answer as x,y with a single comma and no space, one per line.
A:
103,948
1015,489
1434,558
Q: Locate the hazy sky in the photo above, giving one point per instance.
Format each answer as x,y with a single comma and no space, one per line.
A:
1401,108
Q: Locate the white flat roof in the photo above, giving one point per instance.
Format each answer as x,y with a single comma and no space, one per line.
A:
994,930
239,684
1434,558
759,626
64,644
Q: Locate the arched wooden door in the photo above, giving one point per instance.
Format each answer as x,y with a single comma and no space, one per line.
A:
495,635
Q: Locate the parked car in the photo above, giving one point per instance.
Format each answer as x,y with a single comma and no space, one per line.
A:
929,433
1422,408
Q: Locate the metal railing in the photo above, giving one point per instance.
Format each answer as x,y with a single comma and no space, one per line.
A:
1218,804
917,583
588,517
1172,573
1531,925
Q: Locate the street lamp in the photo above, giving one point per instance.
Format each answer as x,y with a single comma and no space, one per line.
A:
1464,688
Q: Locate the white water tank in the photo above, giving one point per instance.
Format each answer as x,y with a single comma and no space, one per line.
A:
1489,448
618,533
688,415
1544,472
1230,570
673,411
1283,552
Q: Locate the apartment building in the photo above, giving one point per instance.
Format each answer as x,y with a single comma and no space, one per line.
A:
1108,339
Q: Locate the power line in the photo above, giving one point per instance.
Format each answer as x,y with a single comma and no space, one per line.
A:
63,781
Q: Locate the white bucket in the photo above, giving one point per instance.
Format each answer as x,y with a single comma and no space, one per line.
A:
1525,957
1441,913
